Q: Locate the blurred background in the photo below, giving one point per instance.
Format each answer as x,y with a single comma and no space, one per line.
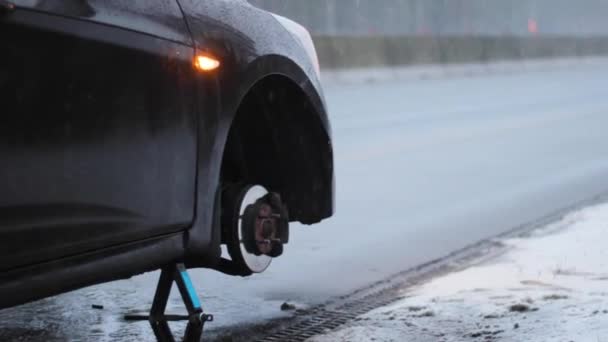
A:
360,33
444,17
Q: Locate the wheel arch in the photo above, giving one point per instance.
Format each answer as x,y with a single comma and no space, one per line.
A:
310,197
280,137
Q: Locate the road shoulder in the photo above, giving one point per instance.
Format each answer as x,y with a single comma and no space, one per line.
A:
550,285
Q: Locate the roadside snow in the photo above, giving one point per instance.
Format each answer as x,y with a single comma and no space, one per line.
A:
549,286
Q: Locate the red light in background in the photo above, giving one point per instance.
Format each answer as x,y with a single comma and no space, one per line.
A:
532,26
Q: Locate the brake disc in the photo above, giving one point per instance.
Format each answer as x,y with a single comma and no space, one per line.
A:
255,229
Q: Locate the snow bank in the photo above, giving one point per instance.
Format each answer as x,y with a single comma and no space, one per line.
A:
549,286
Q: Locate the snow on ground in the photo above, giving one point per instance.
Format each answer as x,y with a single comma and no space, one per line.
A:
549,286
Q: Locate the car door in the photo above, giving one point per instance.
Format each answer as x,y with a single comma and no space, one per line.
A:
97,126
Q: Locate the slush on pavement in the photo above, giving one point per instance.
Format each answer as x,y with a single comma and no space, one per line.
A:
549,286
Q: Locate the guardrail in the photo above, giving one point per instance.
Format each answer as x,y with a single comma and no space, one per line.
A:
340,52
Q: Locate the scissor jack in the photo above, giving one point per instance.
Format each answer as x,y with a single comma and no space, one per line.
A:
196,318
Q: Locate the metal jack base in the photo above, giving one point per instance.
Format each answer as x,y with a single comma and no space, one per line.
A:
196,318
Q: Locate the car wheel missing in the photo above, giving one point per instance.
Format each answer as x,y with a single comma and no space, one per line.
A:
255,226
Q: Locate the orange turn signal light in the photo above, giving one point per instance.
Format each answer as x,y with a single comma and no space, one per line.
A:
205,63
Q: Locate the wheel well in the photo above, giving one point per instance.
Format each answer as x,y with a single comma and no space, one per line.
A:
277,140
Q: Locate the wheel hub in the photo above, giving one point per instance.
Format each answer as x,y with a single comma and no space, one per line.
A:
258,228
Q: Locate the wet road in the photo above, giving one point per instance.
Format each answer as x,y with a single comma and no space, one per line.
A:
422,168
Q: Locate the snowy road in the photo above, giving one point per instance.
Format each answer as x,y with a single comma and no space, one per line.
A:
422,168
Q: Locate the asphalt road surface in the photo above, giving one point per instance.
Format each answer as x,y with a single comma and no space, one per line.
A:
423,167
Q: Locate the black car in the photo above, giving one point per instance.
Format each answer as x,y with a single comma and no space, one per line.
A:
138,133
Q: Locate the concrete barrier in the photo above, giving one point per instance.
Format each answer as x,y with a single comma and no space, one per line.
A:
346,52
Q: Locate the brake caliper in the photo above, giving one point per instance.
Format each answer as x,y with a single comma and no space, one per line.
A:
266,226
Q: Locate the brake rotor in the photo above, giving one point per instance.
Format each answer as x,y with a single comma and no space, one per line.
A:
256,229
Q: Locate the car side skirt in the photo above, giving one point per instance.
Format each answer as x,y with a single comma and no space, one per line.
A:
27,284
